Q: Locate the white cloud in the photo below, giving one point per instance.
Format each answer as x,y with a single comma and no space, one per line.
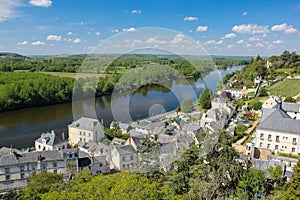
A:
36,43
153,40
284,28
54,37
220,42
41,3
8,10
278,42
70,33
264,35
244,14
259,44
230,35
77,40
230,46
210,42
248,45
23,43
254,39
131,29
190,18
240,42
250,29
115,31
136,11
178,38
201,28
97,33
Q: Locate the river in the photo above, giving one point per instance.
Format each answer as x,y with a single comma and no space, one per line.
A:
20,128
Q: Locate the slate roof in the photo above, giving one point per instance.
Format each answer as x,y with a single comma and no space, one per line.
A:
278,120
135,133
191,127
5,151
138,141
124,126
125,149
31,157
84,123
290,107
51,139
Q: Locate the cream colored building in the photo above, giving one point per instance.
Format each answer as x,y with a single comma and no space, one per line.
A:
84,130
277,131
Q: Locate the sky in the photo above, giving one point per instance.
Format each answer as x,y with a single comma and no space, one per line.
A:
236,27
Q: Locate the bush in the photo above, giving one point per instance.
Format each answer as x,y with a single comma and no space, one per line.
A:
186,105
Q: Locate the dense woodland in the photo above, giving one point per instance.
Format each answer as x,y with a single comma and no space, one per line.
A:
215,174
22,83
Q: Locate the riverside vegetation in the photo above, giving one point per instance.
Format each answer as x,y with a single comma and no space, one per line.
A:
24,83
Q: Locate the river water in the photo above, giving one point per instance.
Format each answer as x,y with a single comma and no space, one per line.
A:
20,128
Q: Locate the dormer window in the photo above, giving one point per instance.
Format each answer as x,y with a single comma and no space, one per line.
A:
44,141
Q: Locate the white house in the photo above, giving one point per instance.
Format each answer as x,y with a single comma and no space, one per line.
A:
50,141
277,131
123,157
85,129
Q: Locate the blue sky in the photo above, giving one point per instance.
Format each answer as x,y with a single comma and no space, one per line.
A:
237,27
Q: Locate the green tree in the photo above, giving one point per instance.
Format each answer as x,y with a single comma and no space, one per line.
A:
255,104
292,189
263,92
290,100
178,109
275,173
252,182
187,105
205,99
112,133
39,184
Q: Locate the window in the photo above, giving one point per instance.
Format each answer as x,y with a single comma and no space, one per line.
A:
80,139
44,167
131,157
100,165
22,175
7,170
54,164
22,169
80,133
123,158
294,141
83,133
269,137
276,147
268,146
33,167
123,165
55,171
7,177
89,134
293,150
261,136
39,146
260,144
277,138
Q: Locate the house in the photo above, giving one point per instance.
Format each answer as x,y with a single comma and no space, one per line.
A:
277,131
270,103
50,141
124,127
147,126
16,167
219,116
123,157
99,165
85,129
237,93
136,142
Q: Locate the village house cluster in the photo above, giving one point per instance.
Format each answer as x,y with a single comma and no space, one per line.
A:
87,145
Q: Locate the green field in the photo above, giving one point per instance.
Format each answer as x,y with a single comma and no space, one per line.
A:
287,87
283,70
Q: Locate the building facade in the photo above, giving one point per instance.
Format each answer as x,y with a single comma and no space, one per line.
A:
50,141
84,130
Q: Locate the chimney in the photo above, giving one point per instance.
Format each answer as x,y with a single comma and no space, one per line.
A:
102,121
15,154
94,123
52,131
63,136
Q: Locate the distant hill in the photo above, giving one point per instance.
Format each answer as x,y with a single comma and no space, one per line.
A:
11,55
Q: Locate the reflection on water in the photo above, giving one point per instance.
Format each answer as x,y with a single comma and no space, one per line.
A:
20,128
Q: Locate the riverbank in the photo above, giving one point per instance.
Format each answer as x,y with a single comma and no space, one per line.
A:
20,128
